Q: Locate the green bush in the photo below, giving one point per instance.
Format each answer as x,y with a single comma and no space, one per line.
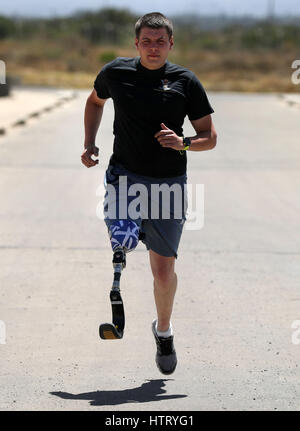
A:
107,56
7,27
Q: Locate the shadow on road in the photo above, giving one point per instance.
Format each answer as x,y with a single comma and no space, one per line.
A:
147,392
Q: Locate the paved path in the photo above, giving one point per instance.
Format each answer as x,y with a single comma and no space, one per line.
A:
238,290
26,103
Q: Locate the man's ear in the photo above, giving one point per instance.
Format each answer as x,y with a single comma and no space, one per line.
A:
136,42
171,42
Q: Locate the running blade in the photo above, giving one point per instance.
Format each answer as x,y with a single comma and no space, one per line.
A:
108,331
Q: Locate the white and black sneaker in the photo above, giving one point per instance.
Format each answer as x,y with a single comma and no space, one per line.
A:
166,359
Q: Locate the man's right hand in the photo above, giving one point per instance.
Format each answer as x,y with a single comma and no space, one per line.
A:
86,156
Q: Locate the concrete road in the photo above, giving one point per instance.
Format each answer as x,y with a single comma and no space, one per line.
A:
238,291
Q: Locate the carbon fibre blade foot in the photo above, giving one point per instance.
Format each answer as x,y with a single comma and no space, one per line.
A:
108,331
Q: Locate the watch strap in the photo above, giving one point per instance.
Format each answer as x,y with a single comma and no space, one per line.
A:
186,143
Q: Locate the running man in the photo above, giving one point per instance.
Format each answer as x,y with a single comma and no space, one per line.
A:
151,99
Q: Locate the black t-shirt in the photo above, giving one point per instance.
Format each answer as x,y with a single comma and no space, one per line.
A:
143,99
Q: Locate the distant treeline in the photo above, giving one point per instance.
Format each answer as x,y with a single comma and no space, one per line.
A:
116,27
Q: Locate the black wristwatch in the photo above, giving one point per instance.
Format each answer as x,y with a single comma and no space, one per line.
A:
186,145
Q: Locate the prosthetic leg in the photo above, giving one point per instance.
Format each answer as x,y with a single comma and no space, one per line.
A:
114,331
124,237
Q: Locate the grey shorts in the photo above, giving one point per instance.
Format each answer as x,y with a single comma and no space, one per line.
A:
157,205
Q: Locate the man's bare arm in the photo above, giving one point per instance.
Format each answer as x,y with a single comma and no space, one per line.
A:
206,138
92,118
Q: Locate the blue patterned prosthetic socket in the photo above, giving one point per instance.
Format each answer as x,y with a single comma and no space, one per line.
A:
124,233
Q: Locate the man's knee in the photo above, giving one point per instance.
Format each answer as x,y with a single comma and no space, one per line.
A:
162,268
164,277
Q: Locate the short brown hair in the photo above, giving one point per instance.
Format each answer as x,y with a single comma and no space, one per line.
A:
154,20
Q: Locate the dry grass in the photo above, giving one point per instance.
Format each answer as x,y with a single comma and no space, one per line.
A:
75,63
54,78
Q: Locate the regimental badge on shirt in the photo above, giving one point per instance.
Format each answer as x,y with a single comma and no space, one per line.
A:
165,85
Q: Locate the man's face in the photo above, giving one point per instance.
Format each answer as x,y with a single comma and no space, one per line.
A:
153,46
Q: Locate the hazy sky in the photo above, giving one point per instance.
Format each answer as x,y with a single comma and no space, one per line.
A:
234,7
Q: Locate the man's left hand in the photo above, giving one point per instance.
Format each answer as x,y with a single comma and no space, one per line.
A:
168,138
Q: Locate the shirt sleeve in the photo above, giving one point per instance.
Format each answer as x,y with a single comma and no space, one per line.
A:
198,103
100,85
